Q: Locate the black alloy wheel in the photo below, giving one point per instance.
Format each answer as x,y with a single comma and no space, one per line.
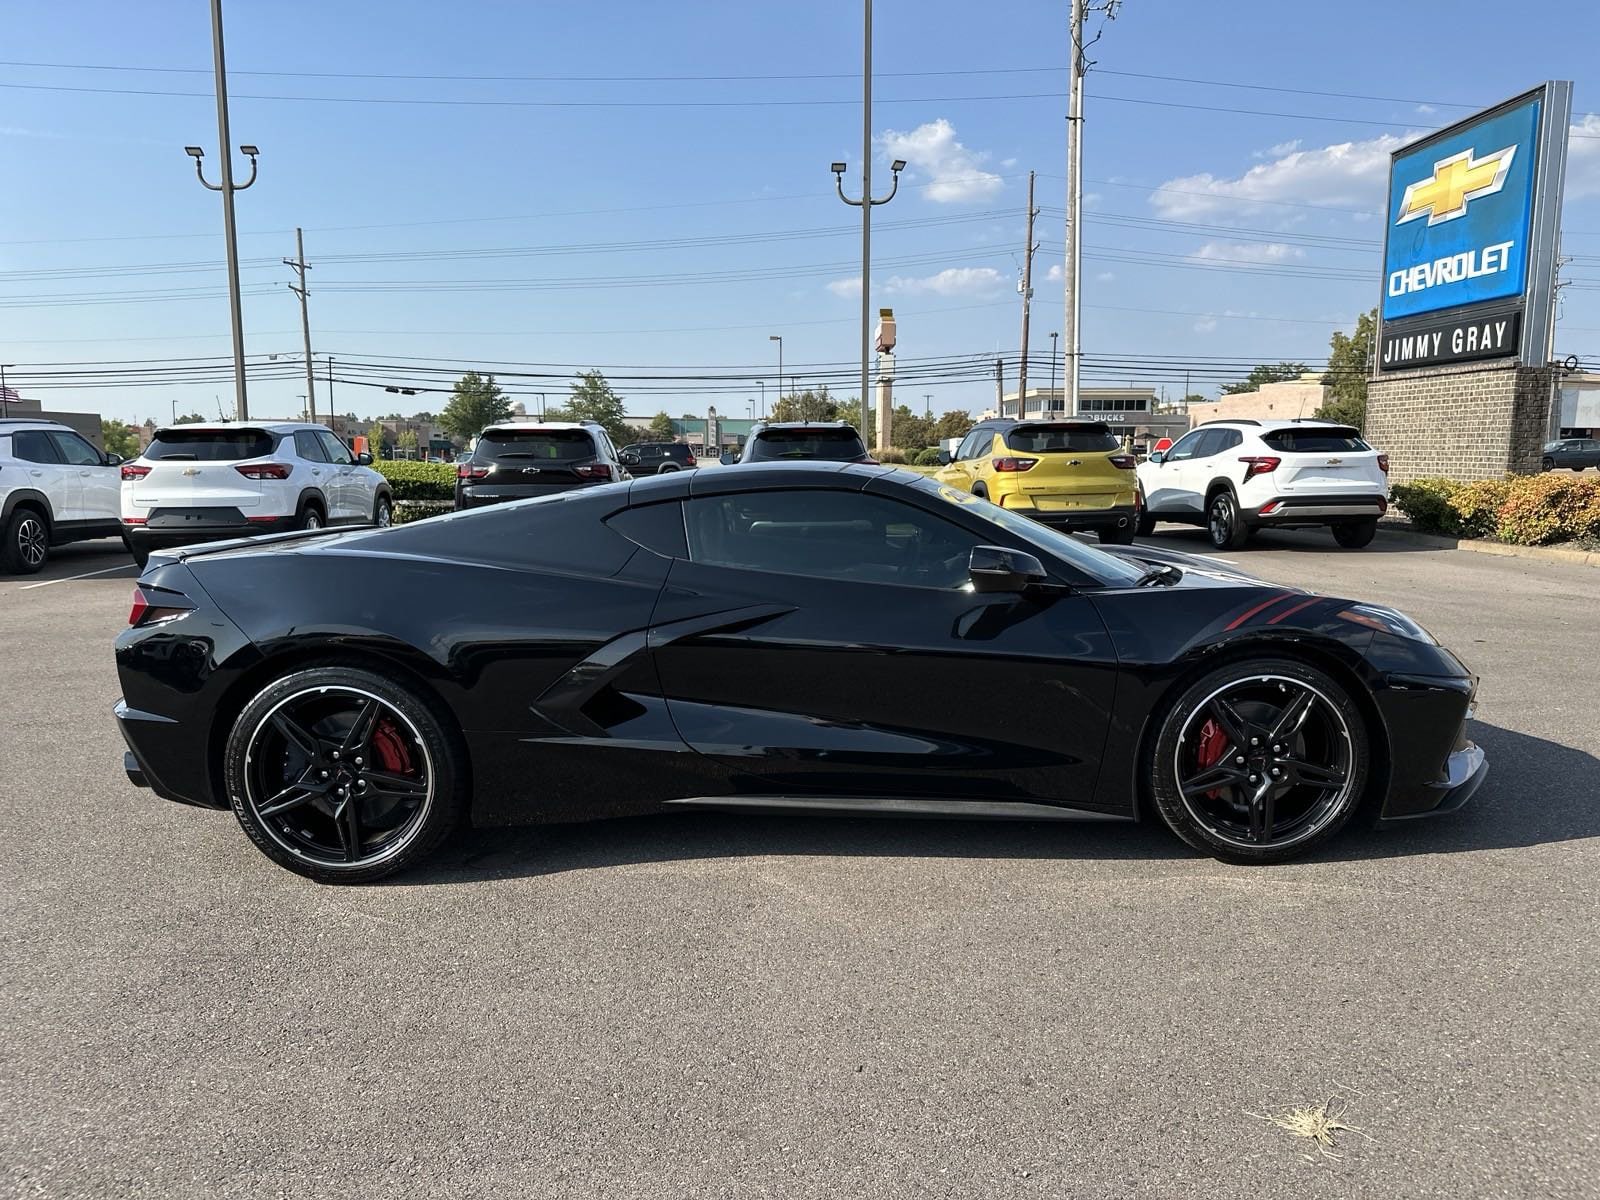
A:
343,775
27,543
1549,464
1259,761
1224,525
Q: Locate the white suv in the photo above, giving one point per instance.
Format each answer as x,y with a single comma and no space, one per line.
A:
55,487
1234,477
204,483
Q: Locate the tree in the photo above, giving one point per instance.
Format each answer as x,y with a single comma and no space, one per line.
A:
475,403
593,400
1346,377
1197,398
808,405
953,425
118,438
1266,373
909,430
407,441
191,419
660,427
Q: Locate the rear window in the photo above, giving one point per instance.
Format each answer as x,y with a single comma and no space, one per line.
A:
1315,441
828,445
210,445
549,445
1061,439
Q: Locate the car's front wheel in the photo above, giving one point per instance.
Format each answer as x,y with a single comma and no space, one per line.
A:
26,547
383,512
1549,464
1259,761
345,775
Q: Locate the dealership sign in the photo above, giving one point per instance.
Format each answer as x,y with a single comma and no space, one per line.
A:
1469,250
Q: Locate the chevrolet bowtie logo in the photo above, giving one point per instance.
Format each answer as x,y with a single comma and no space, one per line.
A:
1455,181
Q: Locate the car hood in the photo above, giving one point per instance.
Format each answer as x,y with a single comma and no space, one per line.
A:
1198,569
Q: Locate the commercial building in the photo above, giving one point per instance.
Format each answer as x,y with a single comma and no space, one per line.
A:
1134,412
87,424
1578,398
1285,401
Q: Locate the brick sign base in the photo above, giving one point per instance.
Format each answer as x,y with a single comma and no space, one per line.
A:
1473,421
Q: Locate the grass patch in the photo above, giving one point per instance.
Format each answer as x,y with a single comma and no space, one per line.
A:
1320,1125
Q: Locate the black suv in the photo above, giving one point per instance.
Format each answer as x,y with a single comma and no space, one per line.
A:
657,458
519,460
1573,453
804,441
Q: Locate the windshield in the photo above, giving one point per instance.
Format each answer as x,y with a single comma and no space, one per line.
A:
829,445
1108,568
209,445
555,445
1061,439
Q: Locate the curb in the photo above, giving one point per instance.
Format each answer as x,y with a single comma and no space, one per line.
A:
1574,558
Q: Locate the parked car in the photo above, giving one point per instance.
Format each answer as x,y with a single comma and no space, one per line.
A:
1234,477
657,458
208,482
1071,474
804,441
791,637
1573,453
55,488
516,460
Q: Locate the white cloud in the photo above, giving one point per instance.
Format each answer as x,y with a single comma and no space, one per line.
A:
1249,251
952,281
1105,277
1055,274
1426,109
1279,150
1007,163
1583,158
1208,325
1344,175
953,172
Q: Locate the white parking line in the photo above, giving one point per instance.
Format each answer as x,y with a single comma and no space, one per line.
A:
70,578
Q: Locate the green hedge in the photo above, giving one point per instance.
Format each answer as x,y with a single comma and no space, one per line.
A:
927,458
418,480
1524,510
407,511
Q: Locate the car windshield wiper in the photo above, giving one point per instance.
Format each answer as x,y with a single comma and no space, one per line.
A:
1161,573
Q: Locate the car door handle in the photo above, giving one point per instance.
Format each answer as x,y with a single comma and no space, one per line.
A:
316,470
1074,462
35,474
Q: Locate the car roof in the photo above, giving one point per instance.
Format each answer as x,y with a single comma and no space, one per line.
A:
535,426
763,426
1272,426
26,423
226,426
1013,422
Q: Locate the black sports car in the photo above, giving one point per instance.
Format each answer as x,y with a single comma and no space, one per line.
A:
830,637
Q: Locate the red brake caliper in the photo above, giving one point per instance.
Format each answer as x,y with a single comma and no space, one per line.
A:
1213,742
390,749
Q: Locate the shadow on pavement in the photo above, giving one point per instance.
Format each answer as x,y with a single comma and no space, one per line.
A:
1194,541
1537,792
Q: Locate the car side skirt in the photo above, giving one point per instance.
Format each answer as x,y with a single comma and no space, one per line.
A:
984,810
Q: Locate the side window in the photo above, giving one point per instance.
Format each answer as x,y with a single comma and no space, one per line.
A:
338,453
1186,446
34,445
309,446
977,444
1227,439
75,451
829,535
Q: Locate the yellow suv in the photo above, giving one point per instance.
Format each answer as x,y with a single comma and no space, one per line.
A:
1068,474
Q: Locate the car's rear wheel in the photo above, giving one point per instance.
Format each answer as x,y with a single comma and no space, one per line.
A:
27,543
344,775
383,512
1353,535
309,517
1119,536
1260,761
1146,524
1224,525
668,468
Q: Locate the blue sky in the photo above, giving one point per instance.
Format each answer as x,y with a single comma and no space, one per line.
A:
638,222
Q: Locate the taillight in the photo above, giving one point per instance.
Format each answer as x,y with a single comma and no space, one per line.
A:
469,471
867,460
1013,464
264,470
689,462
593,471
1259,466
153,605
1123,462
134,471
1383,463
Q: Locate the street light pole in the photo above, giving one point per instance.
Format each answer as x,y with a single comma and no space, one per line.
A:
866,204
227,187
774,337
1053,338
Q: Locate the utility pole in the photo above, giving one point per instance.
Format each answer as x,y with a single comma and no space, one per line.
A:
5,394
330,392
1027,296
866,204
1053,353
927,404
298,264
1074,200
228,188
999,386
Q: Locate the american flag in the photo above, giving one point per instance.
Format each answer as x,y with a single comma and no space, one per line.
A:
9,394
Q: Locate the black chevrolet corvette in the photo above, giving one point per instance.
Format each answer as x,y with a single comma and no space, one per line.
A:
830,637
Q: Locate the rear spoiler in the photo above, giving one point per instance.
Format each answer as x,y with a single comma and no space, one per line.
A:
180,554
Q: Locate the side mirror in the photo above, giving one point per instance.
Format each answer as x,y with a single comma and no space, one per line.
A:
729,458
944,458
996,569
1158,457
114,460
363,459
628,458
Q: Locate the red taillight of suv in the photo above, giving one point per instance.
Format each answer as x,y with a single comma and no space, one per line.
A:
151,605
1261,465
134,471
1013,464
690,462
1122,462
593,471
469,471
264,470
1383,463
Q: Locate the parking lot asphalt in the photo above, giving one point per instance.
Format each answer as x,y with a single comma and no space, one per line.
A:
710,1005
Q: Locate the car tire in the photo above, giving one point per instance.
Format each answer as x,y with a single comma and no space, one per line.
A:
383,512
1224,523
26,545
310,516
1146,524
296,742
1549,464
1353,535
140,554
1193,746
668,469
1117,536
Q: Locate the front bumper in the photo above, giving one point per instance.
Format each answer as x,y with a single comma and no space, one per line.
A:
1465,771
